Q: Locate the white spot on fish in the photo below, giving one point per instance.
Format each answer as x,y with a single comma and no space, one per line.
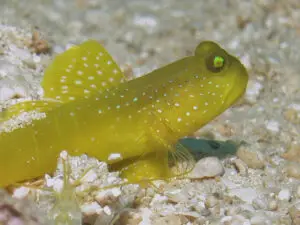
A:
78,82
114,156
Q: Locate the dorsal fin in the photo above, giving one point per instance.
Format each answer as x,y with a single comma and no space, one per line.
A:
81,71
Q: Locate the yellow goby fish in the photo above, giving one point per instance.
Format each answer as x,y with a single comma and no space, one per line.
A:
90,108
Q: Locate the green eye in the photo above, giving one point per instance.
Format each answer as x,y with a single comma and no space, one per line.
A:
218,62
215,63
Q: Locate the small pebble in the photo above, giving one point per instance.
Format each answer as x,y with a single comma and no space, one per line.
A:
253,159
273,205
291,115
105,197
190,215
21,192
90,208
284,195
107,210
177,196
211,201
293,169
207,167
292,154
260,202
129,218
272,126
241,166
246,194
168,220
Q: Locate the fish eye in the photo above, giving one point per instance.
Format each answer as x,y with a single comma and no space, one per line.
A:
215,63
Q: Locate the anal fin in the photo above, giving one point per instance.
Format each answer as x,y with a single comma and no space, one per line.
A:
145,169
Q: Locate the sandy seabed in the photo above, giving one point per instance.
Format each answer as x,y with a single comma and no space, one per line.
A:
258,186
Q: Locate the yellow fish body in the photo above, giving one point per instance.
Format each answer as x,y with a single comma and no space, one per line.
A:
133,125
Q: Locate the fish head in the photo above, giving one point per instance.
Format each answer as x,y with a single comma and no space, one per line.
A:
221,74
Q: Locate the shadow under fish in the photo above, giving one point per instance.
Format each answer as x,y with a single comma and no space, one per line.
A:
203,147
